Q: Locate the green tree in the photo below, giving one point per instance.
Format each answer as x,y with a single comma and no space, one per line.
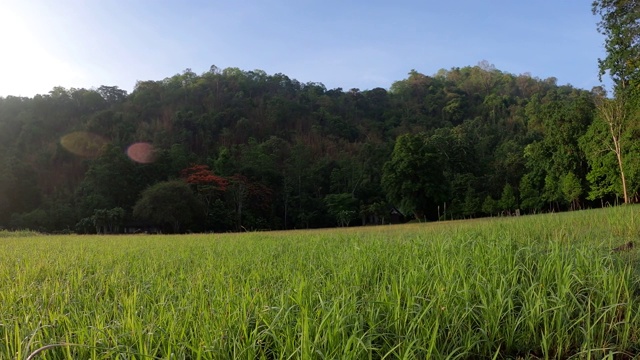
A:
19,191
620,24
169,203
342,207
572,189
107,221
471,205
375,213
111,181
530,197
552,191
621,28
112,94
613,113
414,176
489,205
508,200
603,176
556,122
611,148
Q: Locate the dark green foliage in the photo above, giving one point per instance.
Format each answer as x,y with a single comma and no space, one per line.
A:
414,177
508,202
472,204
572,189
619,24
530,197
489,206
291,150
342,207
617,117
107,221
168,204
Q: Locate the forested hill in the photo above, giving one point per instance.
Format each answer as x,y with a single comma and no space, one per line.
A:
232,149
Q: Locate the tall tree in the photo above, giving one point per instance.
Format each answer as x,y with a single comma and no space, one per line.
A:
615,116
621,28
169,203
341,206
414,177
571,189
508,201
208,187
111,181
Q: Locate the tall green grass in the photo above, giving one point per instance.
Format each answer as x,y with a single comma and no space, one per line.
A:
532,287
15,234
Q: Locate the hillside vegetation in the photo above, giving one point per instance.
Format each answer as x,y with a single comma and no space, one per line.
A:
267,152
231,150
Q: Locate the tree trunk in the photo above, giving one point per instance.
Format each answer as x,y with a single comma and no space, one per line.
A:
618,149
614,113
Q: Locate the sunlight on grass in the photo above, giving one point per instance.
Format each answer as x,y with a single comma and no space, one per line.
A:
531,287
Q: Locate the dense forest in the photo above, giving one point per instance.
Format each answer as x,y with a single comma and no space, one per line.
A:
233,150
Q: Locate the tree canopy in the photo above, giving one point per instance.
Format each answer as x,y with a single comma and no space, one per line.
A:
249,150
168,203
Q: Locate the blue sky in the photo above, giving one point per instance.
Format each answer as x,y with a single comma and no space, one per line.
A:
347,44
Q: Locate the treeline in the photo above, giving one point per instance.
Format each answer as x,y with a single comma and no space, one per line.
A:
248,150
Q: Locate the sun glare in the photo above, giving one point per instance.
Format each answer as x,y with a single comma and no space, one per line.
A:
26,67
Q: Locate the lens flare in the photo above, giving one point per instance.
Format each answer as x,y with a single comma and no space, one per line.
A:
142,152
84,144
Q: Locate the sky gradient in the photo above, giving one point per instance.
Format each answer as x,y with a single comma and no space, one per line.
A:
347,44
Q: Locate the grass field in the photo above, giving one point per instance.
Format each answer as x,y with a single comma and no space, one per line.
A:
544,286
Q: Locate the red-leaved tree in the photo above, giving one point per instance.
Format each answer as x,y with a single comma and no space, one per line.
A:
205,183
